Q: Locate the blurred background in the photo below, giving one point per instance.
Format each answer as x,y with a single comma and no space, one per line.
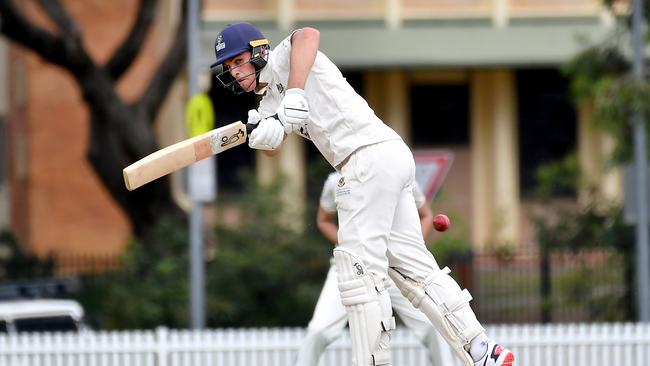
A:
533,97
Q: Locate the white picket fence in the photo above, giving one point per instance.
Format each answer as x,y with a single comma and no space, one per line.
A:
534,345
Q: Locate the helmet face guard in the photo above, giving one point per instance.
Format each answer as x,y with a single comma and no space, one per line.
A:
258,59
231,42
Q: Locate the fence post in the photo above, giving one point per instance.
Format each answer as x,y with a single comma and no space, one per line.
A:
162,346
545,285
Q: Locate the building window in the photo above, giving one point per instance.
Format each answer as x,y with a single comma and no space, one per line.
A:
439,115
547,124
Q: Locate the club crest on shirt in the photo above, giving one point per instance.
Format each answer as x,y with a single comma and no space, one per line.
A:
280,88
342,189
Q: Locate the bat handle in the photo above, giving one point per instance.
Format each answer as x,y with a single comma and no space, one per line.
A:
251,126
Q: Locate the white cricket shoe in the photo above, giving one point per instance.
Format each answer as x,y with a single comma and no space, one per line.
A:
496,355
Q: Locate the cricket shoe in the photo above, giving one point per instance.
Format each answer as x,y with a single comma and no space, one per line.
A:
496,356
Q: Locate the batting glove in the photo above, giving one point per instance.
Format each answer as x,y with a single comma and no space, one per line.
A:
293,109
267,136
254,117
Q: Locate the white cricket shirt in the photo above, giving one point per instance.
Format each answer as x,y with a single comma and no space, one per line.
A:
340,120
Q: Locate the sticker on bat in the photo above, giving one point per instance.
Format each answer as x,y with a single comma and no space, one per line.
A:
225,140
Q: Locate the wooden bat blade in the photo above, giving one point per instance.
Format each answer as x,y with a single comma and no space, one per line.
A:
183,153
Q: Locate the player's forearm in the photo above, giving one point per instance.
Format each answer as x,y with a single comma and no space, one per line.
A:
329,231
326,222
426,220
304,46
272,153
426,228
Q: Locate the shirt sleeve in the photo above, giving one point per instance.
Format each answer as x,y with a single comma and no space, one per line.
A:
282,54
420,199
327,196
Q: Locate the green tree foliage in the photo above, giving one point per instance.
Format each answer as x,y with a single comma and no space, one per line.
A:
591,66
265,273
151,289
262,273
558,178
616,100
592,228
602,73
604,294
589,228
16,263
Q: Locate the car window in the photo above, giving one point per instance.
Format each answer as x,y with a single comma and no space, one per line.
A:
46,324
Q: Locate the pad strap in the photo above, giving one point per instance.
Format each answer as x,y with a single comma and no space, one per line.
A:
447,306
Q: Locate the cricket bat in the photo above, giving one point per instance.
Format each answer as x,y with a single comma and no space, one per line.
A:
184,153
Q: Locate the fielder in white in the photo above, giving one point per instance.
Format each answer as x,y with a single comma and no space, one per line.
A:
379,232
330,317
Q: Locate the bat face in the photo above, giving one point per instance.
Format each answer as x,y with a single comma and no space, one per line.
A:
184,153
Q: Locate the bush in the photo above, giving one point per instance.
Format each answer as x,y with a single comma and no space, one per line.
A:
16,263
589,229
265,273
151,289
262,274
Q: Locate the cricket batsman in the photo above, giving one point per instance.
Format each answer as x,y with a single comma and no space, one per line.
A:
379,234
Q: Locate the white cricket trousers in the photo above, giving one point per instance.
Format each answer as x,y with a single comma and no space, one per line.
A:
329,320
379,225
378,218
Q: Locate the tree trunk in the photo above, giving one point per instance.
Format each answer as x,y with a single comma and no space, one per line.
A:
119,133
109,152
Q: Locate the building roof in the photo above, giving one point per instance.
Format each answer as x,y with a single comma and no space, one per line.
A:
461,43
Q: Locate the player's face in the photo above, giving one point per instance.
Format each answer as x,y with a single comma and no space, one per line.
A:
242,70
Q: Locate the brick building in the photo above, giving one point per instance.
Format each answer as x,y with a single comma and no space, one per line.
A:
57,203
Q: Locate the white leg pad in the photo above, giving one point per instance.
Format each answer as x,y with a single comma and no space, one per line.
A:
447,307
368,308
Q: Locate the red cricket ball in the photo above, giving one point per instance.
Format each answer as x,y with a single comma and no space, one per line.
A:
441,222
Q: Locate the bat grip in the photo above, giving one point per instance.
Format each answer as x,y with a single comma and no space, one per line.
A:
251,126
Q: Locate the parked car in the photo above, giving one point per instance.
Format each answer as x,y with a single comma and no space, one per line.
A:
42,315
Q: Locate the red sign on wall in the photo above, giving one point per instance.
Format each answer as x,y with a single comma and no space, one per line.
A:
431,167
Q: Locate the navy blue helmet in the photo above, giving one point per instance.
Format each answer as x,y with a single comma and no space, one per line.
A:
230,42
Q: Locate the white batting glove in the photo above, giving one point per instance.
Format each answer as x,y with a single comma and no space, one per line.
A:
293,109
267,136
254,116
